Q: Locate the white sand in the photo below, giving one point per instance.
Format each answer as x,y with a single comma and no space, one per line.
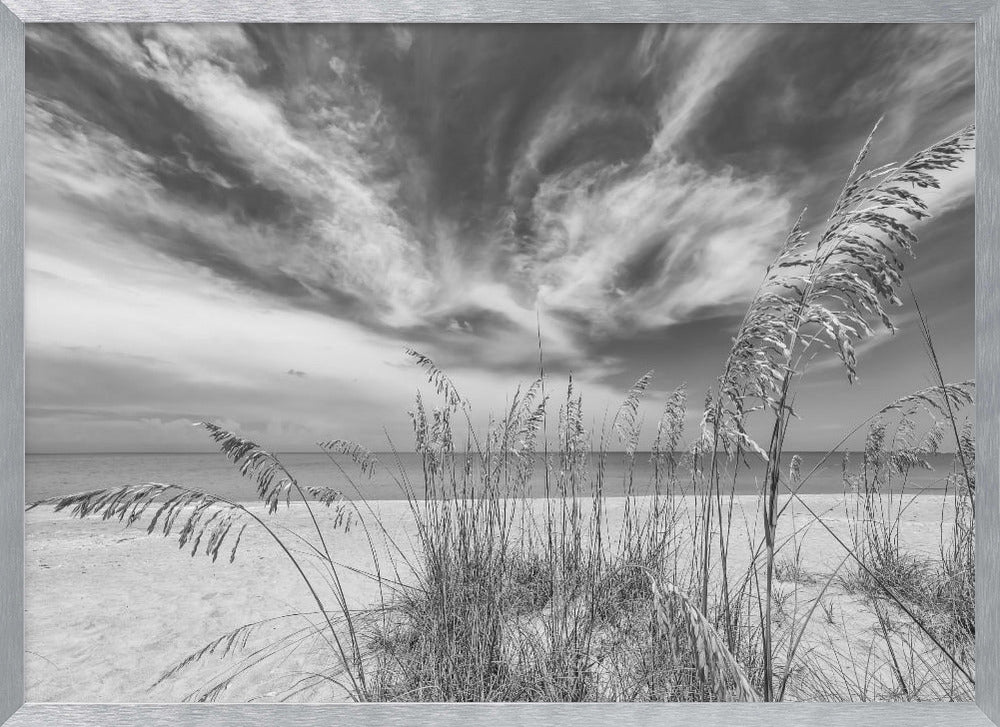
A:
108,609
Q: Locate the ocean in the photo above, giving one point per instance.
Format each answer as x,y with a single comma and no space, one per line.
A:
52,475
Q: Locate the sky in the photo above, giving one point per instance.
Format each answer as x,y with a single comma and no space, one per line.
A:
249,224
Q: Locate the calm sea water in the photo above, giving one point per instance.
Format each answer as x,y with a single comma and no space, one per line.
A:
50,475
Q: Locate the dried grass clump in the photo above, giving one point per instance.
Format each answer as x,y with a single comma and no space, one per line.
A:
510,598
717,666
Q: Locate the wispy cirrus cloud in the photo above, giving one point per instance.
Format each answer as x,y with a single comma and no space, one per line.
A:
656,238
350,240
323,156
445,188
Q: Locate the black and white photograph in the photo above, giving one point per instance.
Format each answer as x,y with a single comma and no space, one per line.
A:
499,363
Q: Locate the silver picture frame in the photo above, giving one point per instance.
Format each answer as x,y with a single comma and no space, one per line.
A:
14,14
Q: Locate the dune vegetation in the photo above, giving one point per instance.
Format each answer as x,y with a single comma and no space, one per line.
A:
516,594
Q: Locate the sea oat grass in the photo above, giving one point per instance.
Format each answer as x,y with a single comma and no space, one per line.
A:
504,598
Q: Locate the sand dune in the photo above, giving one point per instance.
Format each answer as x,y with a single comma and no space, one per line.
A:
108,609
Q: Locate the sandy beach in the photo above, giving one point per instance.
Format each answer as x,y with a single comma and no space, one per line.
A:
108,609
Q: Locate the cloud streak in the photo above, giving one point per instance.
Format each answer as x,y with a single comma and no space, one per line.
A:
450,189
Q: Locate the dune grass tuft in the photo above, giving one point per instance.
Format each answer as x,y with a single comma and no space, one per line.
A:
521,587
